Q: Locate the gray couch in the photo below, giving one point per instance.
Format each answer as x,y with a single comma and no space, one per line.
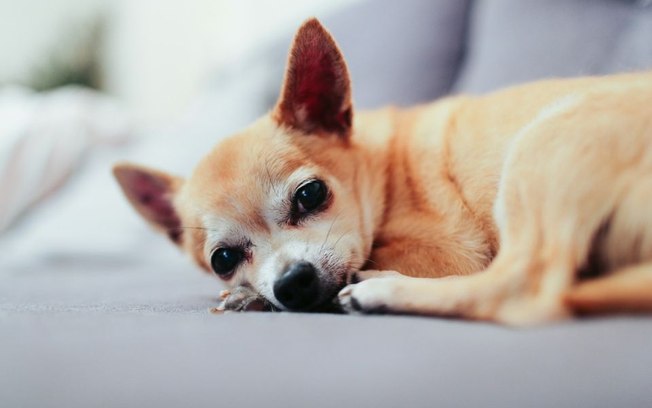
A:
95,310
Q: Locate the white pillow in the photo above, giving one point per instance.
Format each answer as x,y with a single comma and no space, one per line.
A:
43,138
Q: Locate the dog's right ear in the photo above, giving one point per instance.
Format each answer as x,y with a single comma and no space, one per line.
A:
151,193
316,93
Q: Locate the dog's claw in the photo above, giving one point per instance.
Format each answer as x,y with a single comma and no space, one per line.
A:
355,305
349,303
216,310
346,300
224,294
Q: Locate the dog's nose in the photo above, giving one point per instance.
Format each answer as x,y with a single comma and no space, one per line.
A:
298,287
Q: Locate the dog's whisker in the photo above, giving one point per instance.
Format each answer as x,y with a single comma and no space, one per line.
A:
338,240
369,260
329,231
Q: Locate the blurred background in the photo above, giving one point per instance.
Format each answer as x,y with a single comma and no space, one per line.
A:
152,55
86,83
75,74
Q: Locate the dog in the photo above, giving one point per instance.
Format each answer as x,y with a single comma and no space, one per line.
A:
524,206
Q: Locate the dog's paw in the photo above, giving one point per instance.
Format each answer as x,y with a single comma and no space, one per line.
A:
370,296
241,299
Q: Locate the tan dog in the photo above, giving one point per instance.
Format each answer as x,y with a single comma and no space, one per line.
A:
545,189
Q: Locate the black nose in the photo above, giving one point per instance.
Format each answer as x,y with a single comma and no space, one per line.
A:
298,287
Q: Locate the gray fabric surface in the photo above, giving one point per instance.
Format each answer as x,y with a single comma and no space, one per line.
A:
296,360
129,335
97,311
136,332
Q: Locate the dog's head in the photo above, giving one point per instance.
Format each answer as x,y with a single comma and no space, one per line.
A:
279,207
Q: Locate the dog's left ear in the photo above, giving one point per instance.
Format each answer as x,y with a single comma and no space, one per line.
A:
316,93
151,193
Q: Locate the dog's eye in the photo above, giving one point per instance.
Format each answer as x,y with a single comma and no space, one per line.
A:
310,196
224,260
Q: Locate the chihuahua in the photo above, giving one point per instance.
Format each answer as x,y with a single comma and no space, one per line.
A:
523,206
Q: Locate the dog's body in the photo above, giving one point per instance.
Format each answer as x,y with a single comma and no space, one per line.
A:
555,174
525,190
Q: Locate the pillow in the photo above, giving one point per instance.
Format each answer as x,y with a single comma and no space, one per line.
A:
401,52
514,41
44,137
398,52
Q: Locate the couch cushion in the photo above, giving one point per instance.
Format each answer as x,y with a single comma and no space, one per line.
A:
148,358
514,41
399,53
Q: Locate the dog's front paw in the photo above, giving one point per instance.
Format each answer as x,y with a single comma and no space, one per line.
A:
370,296
242,299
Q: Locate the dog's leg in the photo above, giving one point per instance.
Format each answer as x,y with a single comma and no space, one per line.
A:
450,295
627,252
626,290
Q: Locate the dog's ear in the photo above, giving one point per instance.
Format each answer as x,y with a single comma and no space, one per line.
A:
316,93
151,193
